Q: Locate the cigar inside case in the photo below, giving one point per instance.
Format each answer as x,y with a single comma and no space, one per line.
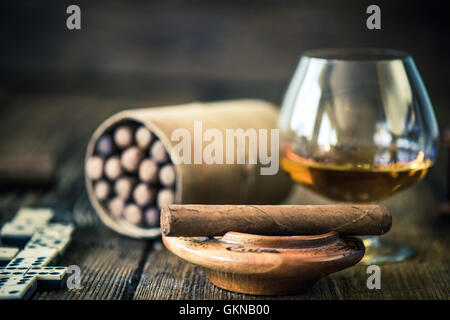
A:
129,178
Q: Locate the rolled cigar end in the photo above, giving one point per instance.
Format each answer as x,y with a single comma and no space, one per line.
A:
94,168
102,190
123,136
167,175
385,223
158,152
133,214
165,219
105,146
216,220
143,195
152,217
148,171
113,170
124,187
131,158
116,206
143,137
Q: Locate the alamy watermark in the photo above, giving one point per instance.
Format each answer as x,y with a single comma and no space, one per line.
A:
73,21
374,280
74,280
235,147
374,20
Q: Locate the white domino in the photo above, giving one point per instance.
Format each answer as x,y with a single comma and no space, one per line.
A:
50,273
33,216
14,288
55,235
7,254
15,229
15,272
56,230
16,234
39,257
42,242
28,269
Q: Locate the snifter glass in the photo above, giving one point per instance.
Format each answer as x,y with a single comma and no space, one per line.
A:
357,126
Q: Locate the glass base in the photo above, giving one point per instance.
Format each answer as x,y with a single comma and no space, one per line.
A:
380,251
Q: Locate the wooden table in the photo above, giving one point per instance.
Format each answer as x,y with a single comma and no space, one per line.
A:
116,267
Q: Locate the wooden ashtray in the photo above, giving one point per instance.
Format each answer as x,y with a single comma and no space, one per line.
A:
267,265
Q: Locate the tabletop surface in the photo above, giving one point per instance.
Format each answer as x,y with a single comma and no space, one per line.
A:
117,267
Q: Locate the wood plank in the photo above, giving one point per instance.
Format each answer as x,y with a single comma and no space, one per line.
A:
108,266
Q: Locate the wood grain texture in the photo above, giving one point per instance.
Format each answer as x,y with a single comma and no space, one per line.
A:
108,265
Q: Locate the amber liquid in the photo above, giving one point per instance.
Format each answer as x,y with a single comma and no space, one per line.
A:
354,182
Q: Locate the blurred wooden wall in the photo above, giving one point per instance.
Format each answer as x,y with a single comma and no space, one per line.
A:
144,53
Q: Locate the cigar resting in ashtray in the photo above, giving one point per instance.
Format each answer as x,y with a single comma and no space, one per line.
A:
216,220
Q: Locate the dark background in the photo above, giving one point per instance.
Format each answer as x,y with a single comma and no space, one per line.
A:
216,49
57,83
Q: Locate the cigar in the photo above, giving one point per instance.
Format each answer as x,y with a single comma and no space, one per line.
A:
151,216
124,187
216,220
31,171
133,214
158,152
148,171
94,168
143,195
116,206
105,146
113,170
123,136
165,197
131,158
167,175
143,137
102,189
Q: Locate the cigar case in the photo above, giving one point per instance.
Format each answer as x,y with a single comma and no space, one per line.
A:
202,183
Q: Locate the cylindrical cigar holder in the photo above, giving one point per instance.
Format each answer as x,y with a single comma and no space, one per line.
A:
201,183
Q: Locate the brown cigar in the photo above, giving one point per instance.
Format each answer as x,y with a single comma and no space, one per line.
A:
94,168
131,158
158,152
102,190
116,206
216,220
167,175
133,214
113,170
148,171
151,216
143,195
123,136
105,146
143,137
124,187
